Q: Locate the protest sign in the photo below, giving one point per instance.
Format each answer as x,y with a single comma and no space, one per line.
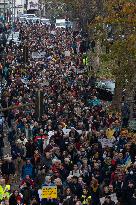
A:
113,198
49,192
67,53
67,131
36,55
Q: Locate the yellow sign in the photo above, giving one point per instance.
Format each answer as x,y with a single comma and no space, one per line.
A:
49,192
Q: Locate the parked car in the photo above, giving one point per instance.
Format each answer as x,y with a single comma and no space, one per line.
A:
33,20
28,16
45,21
63,23
24,17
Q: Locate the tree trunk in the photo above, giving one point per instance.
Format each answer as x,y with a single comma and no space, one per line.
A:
98,52
130,97
117,99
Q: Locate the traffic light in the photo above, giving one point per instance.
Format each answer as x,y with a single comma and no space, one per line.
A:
25,54
39,104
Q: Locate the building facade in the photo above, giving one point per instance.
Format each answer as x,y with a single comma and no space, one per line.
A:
4,8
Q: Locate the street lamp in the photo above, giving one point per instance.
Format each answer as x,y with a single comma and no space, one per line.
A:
12,14
14,9
4,13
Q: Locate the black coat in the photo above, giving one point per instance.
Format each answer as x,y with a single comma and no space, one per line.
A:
77,189
133,201
30,148
8,168
27,194
49,202
69,201
128,194
12,200
1,142
111,203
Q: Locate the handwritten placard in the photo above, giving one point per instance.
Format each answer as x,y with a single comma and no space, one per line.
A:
49,192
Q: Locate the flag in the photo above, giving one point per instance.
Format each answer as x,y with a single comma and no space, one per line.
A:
127,161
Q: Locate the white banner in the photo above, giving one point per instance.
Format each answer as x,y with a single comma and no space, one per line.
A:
36,55
67,131
113,198
33,5
67,53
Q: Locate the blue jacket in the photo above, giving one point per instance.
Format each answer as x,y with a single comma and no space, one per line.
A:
28,169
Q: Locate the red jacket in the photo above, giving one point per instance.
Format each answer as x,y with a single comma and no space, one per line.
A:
43,137
27,180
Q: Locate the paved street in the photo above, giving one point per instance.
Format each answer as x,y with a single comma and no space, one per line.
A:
67,73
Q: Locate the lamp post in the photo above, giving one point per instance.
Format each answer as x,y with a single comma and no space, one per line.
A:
12,13
14,9
4,13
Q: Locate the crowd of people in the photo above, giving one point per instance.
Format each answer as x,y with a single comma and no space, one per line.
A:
76,145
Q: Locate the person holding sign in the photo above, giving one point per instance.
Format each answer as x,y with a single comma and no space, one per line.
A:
48,193
108,201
